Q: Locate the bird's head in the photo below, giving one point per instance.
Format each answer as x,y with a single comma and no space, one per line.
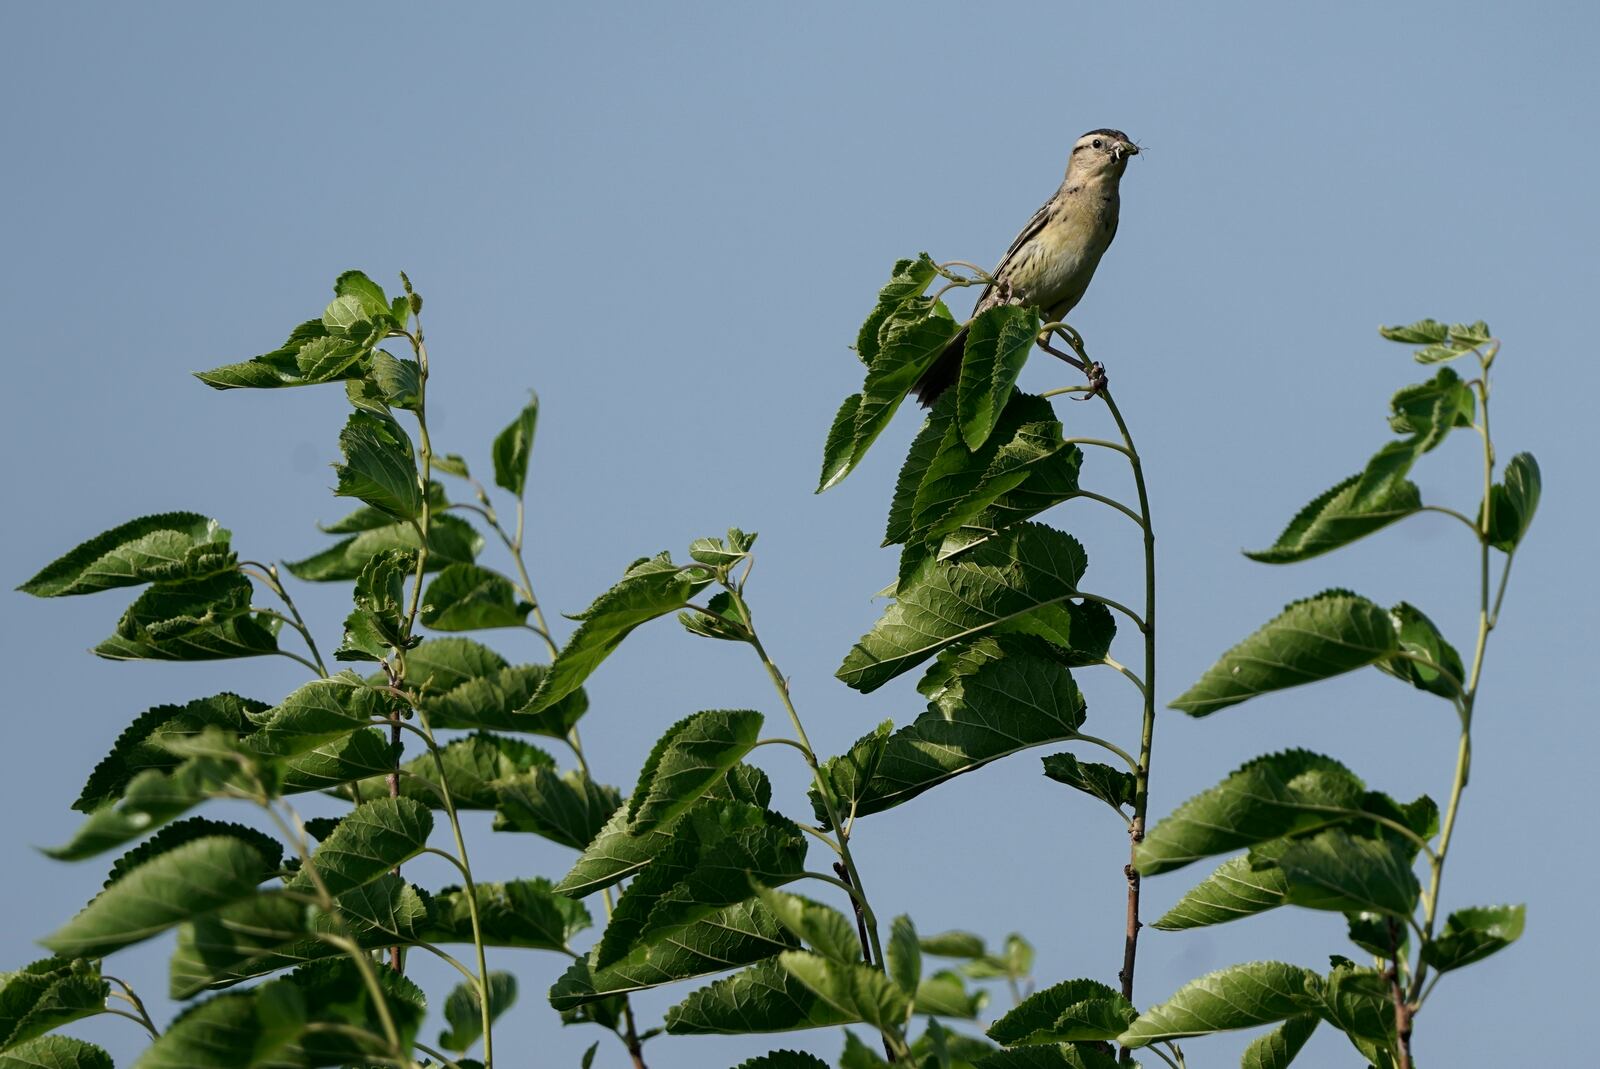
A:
1101,153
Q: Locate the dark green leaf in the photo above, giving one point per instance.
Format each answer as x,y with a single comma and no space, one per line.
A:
45,995
184,831
317,713
1065,1056
193,878
379,468
784,1059
1272,796
954,944
998,695
991,587
450,539
649,588
1420,638
720,619
368,294
162,548
378,623
1358,1002
1113,786
367,518
475,767
1513,501
567,808
762,998
692,754
858,992
192,620
1319,637
1236,889
1422,332
1277,1048
518,913
466,597
945,994
998,342
374,838
1240,996
56,1052
399,383
463,1011
1380,936
465,684
282,366
903,954
1337,871
1334,519
1473,934
736,935
1432,409
142,745
924,447
1068,1011
822,928
908,279
149,800
512,448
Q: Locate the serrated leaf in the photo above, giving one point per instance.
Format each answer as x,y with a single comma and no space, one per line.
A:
142,745
279,368
687,759
1419,637
1064,1056
513,446
193,878
855,991
954,944
999,695
1473,934
317,713
720,619
463,1011
1334,519
524,913
1432,409
1319,637
718,552
908,279
993,586
648,589
999,340
1277,1048
784,1059
342,762
1422,332
378,623
374,838
467,597
1236,889
56,1052
822,928
903,955
450,539
1335,870
1068,1011
45,995
924,447
1358,1002
192,620
736,935
1240,996
152,798
474,766
379,467
762,998
187,830
1513,501
1113,786
465,684
367,518
1270,797
567,808
161,548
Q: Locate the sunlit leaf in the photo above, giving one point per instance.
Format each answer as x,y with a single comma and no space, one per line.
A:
378,467
524,913
1068,1011
999,340
192,620
687,759
450,539
513,446
1113,786
1240,996
56,1052
1473,934
1277,1048
162,548
374,838
45,995
1335,870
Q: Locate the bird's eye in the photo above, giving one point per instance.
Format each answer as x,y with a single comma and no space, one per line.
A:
1098,143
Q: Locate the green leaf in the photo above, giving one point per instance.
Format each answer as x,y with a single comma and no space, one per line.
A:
784,1059
856,991
924,447
152,798
1422,332
857,1055
513,446
909,340
736,935
450,539
692,754
466,597
908,279
1272,796
1473,934
161,548
719,553
465,684
317,713
1238,888
524,913
192,620
1432,409
142,745
1068,1011
998,342
1358,1002
567,808
400,383
369,296
475,767
1513,501
715,855
719,619
283,367
44,996
1113,786
184,831
762,998
1065,1056
1277,1048
945,994
993,586
375,837
1317,638
649,588
379,467
954,944
1419,637
367,518
1240,996
194,878
1335,870
903,954
998,695
56,1052
378,623
822,928
1335,519
463,1011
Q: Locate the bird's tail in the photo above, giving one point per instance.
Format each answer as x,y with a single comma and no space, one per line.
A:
943,372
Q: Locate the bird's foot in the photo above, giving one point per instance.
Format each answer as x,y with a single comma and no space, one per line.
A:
1098,381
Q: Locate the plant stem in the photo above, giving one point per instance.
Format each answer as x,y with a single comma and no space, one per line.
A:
131,997
1141,790
268,574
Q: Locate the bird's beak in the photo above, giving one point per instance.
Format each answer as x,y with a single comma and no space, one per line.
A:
1127,148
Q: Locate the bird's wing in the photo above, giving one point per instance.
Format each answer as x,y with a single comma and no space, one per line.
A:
1028,233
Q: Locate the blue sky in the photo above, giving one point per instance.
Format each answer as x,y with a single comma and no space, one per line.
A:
669,220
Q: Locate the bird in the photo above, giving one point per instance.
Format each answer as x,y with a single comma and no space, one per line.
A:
1049,265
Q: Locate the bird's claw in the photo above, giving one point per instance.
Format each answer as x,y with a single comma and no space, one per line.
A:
1098,381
